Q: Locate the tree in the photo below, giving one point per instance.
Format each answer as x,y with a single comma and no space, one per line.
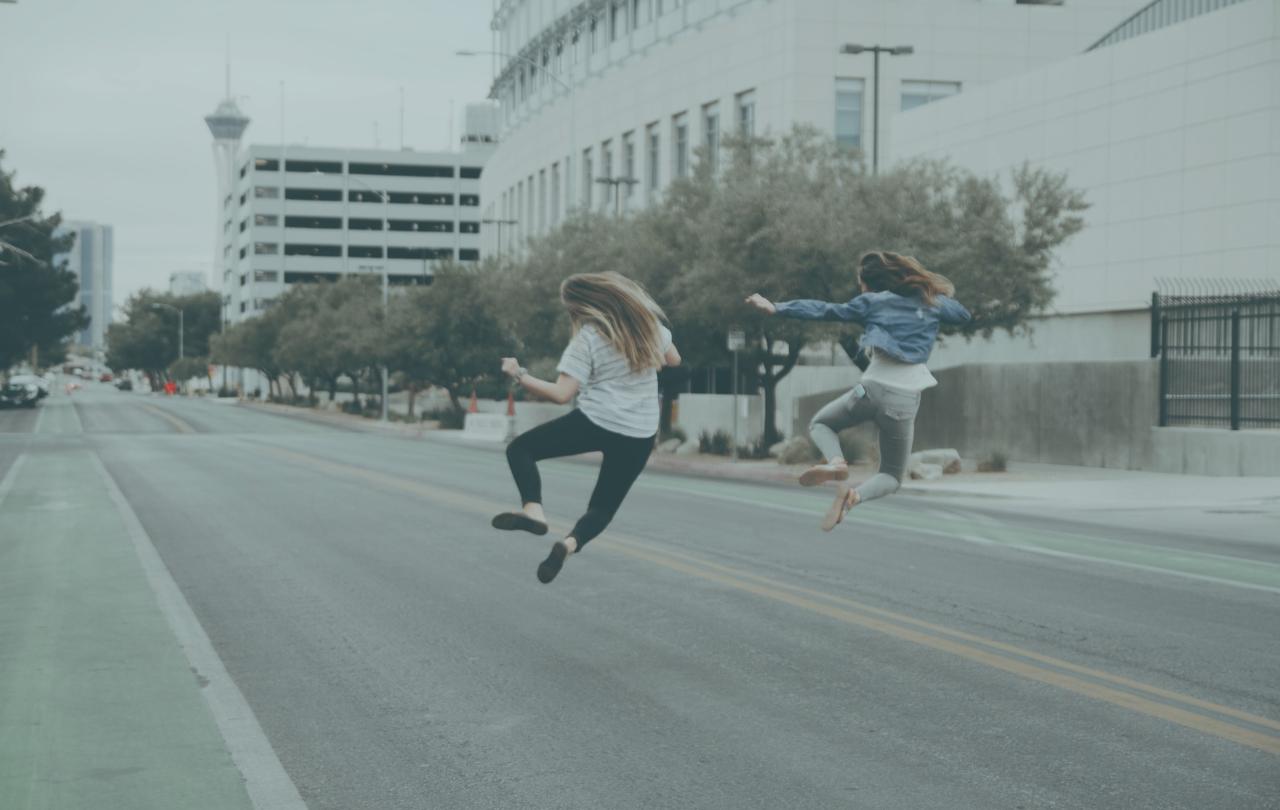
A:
147,338
450,333
35,290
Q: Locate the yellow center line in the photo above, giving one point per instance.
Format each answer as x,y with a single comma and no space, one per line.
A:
178,424
897,625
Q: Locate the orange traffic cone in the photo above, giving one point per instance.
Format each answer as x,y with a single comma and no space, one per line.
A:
511,403
474,407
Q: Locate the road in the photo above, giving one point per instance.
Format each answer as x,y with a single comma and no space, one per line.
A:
712,650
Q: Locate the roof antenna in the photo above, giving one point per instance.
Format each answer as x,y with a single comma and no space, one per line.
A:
228,66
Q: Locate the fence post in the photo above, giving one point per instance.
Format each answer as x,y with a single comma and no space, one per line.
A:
1155,324
1235,368
1164,372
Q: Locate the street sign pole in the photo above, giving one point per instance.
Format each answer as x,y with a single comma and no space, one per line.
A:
736,341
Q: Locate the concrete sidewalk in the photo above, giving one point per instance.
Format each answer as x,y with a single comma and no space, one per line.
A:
1023,482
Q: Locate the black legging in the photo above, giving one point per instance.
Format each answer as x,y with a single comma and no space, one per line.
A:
570,435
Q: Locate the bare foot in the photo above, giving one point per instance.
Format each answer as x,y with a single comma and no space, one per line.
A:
822,473
846,498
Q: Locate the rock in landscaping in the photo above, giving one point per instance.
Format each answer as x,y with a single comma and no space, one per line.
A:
947,459
689,448
669,446
925,472
798,450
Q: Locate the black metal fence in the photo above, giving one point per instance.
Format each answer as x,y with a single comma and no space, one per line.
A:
1219,350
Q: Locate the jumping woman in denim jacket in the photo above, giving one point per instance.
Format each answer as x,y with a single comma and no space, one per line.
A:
900,309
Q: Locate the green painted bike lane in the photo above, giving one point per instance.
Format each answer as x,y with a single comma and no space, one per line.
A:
99,707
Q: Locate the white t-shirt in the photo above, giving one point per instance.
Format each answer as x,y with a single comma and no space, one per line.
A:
896,374
611,394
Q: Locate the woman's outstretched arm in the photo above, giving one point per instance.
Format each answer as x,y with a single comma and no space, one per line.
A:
810,310
562,391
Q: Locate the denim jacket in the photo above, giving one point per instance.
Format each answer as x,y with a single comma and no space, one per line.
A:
902,327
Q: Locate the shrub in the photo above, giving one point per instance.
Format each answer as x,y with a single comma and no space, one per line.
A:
449,417
756,450
996,462
718,444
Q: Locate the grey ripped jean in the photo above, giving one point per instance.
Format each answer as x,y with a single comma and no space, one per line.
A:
894,412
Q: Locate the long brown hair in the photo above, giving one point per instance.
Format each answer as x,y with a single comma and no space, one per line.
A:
621,310
883,270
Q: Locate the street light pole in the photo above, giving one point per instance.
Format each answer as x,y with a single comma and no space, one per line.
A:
876,50
617,183
386,257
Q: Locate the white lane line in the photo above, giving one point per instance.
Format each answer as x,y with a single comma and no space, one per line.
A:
40,416
11,476
268,785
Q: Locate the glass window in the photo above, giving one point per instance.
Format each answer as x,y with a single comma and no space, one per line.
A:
266,165
266,248
364,224
849,113
426,225
745,102
468,227
917,94
711,133
313,194
401,170
306,278
653,146
419,253
542,200
293,249
312,166
469,199
266,220
327,223
364,252
680,145
266,275
264,193
629,161
555,194
470,172
468,255
244,223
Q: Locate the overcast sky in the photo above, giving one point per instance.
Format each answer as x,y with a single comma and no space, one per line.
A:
102,102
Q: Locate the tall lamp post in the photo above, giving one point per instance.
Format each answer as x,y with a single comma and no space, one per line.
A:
876,50
500,223
386,257
181,329
617,183
573,107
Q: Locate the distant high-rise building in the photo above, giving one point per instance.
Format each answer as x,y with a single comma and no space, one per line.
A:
90,260
227,125
188,283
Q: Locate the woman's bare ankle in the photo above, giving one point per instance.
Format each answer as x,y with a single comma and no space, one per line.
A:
570,544
534,511
839,464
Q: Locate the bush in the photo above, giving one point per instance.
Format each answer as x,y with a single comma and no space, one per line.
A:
674,433
996,462
449,417
352,407
718,444
756,450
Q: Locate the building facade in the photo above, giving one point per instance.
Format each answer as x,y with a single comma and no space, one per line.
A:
592,90
300,214
90,259
1171,127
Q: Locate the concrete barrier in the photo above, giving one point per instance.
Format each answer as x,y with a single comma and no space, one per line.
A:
490,427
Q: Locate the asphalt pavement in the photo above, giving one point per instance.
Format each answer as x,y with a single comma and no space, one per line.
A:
213,606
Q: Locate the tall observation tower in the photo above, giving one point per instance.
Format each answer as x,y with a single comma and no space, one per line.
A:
226,124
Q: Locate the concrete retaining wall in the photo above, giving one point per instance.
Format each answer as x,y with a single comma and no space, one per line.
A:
699,413
1210,451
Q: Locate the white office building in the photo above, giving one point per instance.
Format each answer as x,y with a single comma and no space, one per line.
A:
90,260
608,89
300,214
1171,127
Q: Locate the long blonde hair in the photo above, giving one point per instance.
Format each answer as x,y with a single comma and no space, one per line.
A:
621,310
884,270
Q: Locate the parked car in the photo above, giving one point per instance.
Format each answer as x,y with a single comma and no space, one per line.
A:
124,384
19,395
106,377
41,383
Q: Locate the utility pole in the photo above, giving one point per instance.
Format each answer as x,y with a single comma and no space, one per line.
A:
876,50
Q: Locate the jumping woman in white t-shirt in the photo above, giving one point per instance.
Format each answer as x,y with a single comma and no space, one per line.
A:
611,364
900,307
